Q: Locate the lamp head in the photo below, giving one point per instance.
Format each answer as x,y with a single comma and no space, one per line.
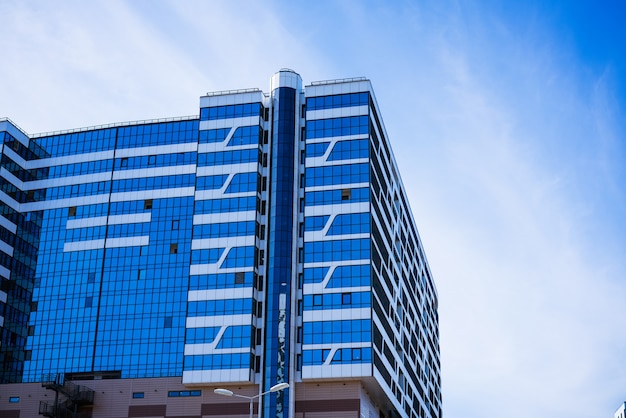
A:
279,386
224,392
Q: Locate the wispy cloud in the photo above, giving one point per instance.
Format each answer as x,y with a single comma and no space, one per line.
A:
510,150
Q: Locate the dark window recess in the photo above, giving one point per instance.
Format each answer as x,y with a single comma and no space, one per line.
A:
183,393
263,207
261,257
152,160
147,204
239,278
28,355
124,162
264,184
89,302
175,224
91,277
31,331
259,310
71,211
169,320
173,248
345,194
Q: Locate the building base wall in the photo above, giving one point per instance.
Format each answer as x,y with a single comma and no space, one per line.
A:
114,399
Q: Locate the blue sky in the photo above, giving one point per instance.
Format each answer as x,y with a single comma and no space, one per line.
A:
506,120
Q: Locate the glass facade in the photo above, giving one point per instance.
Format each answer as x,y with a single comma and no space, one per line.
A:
268,240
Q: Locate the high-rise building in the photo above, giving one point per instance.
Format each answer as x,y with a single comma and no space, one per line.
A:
267,240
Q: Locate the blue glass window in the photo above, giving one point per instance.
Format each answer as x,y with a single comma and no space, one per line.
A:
348,150
316,149
217,361
336,101
231,111
221,280
337,301
211,182
246,135
240,257
346,276
151,183
333,197
236,337
213,135
328,332
337,174
229,157
315,274
183,393
243,182
219,307
351,125
201,335
350,223
226,229
315,223
349,249
236,204
206,256
161,133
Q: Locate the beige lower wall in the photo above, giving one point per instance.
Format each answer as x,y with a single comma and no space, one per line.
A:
114,399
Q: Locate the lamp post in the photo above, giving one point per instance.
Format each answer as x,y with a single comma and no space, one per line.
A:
277,387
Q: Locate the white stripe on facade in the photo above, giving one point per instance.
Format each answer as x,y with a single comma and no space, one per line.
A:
128,242
216,218
174,170
226,242
6,248
64,203
191,377
94,244
110,220
67,181
8,224
69,159
336,314
156,150
218,294
152,194
338,112
218,321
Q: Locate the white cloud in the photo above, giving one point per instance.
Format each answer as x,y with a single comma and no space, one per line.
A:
510,154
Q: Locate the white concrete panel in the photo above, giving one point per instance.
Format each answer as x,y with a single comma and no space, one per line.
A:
70,159
128,242
8,224
152,194
6,248
175,170
218,321
83,245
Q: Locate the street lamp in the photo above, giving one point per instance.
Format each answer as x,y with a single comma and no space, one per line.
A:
277,387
